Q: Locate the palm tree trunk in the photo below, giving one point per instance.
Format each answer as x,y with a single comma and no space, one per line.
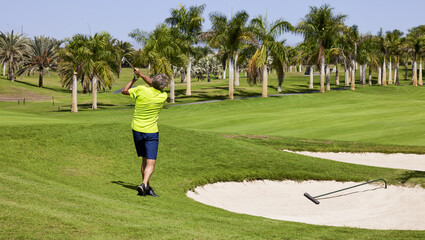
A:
415,74
322,74
353,76
182,76
40,79
236,71
280,79
420,72
370,76
364,75
336,74
390,79
311,77
188,78
230,78
300,67
406,63
265,82
379,75
396,72
172,90
9,70
149,69
74,107
94,92
384,74
224,73
290,68
346,75
328,77
4,68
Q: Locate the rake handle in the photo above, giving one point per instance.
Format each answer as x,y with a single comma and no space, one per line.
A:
313,199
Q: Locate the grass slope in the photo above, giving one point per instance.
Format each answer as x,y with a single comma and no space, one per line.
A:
78,181
72,176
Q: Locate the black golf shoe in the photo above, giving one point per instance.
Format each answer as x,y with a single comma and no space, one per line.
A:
150,192
142,189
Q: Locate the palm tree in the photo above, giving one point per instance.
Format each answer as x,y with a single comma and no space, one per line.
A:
267,46
102,64
72,58
189,23
41,56
124,50
416,42
164,50
228,36
13,47
394,48
321,27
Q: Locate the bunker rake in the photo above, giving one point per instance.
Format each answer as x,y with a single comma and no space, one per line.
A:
314,199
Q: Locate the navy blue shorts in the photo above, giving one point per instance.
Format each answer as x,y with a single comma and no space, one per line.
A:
146,144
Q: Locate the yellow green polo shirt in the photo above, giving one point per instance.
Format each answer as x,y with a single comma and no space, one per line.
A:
149,102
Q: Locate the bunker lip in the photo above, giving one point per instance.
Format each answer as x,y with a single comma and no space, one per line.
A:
415,162
370,206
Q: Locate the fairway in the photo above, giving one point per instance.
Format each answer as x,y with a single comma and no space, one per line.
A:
74,176
390,115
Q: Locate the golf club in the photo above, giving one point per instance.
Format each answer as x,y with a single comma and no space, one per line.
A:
125,60
313,199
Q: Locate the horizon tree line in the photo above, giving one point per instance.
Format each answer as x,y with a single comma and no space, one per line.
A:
232,44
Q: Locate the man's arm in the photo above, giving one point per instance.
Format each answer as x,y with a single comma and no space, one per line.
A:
128,86
146,78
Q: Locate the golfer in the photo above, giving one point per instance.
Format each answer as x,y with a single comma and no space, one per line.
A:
149,102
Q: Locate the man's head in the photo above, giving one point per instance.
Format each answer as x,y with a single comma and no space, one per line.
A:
159,81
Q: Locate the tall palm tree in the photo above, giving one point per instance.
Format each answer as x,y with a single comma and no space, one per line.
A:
164,50
394,48
228,37
415,40
189,23
13,47
321,26
41,56
267,46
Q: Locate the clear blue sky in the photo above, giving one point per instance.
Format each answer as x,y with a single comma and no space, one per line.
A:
62,19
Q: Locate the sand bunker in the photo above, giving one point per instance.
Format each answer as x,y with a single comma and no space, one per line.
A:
369,206
414,162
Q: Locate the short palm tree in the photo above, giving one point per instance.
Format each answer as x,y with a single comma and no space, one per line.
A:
102,64
321,27
41,57
124,50
13,47
189,23
72,58
266,46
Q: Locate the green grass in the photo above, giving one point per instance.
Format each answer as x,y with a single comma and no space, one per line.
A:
74,176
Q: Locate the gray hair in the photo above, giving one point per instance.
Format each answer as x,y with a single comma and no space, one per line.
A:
159,81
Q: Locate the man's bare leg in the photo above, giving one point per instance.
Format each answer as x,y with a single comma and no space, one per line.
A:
143,167
148,170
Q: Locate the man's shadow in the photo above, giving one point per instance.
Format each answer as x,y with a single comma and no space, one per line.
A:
126,185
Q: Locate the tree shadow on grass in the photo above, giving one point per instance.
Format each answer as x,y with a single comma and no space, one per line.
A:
407,175
126,185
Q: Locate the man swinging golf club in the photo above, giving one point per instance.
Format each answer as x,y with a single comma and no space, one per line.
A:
149,102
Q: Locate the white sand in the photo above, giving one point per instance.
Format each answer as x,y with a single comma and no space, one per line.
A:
368,206
414,162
